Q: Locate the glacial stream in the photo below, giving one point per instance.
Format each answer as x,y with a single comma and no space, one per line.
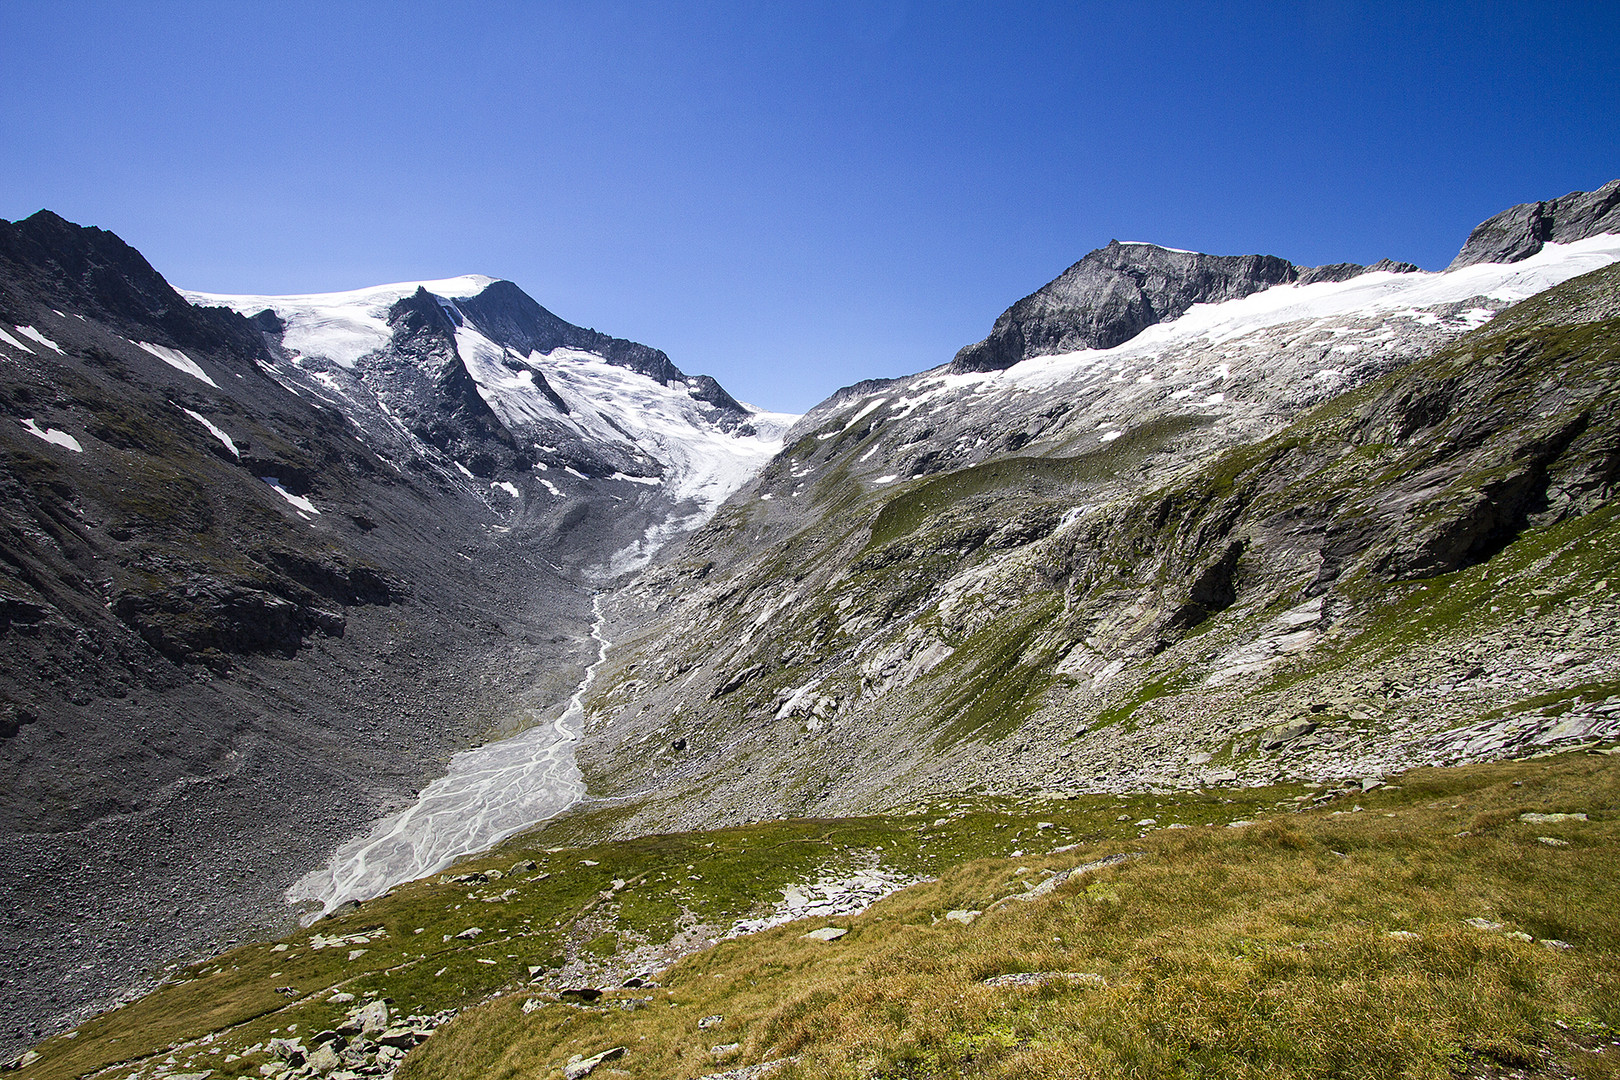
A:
490,792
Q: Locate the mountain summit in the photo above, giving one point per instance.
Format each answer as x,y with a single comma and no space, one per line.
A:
1116,292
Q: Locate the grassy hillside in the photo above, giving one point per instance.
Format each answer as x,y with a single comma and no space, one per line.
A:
1292,931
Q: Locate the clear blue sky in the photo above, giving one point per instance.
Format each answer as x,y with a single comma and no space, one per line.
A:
790,197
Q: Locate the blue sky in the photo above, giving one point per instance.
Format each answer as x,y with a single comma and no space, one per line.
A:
789,197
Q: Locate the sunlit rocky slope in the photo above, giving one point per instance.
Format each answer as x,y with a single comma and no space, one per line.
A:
1324,529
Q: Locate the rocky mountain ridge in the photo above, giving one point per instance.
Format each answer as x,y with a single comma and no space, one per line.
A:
272,561
1520,231
1116,292
1172,562
252,599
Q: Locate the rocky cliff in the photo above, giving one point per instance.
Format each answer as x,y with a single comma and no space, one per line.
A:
1520,231
1116,292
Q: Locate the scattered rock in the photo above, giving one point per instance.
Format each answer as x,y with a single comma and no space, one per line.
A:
1401,935
1051,883
827,933
341,998
324,1059
1041,978
750,1072
963,916
710,1021
1277,737
722,1049
580,993
289,1050
1549,819
1553,841
531,1005
581,1067
1482,924
470,933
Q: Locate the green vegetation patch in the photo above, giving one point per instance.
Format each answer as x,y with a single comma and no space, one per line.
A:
1420,931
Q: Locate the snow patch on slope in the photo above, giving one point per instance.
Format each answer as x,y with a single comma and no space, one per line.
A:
213,429
29,331
343,326
53,436
179,361
1382,293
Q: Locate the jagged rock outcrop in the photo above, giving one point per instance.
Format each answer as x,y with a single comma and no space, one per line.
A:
1116,292
1520,231
506,313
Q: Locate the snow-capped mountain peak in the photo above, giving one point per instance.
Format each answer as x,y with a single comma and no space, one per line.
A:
471,377
340,327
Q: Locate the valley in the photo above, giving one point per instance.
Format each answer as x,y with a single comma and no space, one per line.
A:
1218,630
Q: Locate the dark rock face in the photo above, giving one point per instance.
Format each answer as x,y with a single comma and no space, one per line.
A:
1520,231
505,312
1118,291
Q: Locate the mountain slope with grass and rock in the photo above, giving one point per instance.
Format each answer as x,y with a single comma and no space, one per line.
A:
1201,555
1217,630
260,576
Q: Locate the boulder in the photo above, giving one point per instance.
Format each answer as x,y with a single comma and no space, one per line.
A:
582,1067
372,1017
1274,738
291,1051
324,1059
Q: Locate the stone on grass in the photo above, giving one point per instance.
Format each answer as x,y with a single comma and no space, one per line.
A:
963,916
1041,978
324,1059
581,1067
827,933
289,1050
1549,819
